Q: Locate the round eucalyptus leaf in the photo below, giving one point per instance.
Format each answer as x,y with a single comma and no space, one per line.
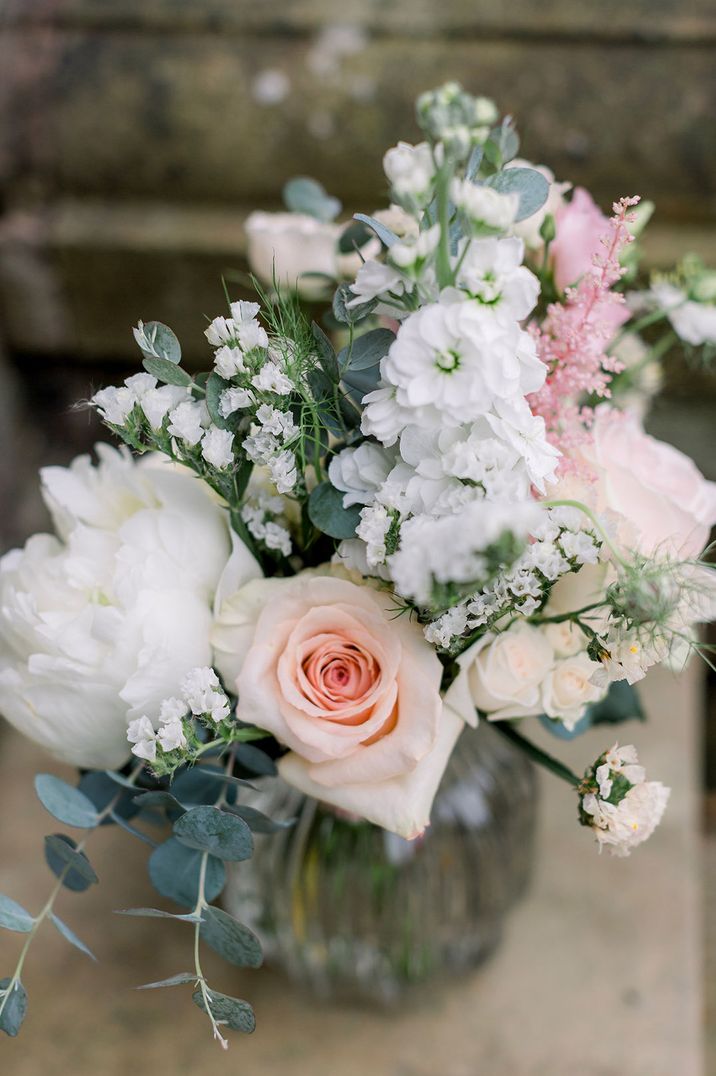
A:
529,184
233,1012
66,862
208,829
230,939
157,340
174,872
14,1007
167,371
65,803
305,195
326,511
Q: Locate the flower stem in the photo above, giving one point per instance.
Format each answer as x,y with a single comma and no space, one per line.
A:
549,762
442,260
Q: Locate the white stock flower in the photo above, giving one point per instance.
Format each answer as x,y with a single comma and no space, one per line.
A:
410,171
217,447
360,472
375,280
483,205
491,272
98,626
567,689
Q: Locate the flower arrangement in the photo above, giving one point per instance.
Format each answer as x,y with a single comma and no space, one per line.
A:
353,536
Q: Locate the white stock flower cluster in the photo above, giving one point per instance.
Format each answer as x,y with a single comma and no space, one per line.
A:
621,806
201,695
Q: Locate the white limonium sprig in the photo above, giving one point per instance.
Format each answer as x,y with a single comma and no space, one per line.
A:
617,802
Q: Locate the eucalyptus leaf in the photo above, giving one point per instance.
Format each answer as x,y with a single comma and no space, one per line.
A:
353,237
326,354
305,195
67,863
215,775
326,512
343,295
258,821
215,385
174,872
14,917
70,936
531,186
174,980
197,785
14,1007
233,1012
209,829
159,798
102,790
622,703
156,913
366,350
65,803
230,939
157,340
254,759
386,236
359,383
474,161
165,370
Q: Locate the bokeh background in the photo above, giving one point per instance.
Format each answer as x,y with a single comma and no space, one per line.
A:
135,136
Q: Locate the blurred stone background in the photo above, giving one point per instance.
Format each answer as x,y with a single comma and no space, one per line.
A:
135,135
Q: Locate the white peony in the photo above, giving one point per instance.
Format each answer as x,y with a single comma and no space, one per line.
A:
99,624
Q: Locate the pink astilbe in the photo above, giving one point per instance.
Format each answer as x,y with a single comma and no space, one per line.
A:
572,343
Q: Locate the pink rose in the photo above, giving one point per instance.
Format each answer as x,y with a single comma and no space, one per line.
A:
324,664
579,225
666,503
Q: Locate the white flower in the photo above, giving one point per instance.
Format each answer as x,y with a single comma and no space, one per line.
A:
140,384
375,280
372,529
187,422
410,171
260,446
203,694
271,378
580,547
383,417
140,733
157,403
114,404
234,399
229,361
98,626
277,537
282,469
491,272
288,246
483,205
244,311
567,689
529,229
693,322
220,331
171,734
278,423
172,709
411,254
565,638
360,472
506,672
217,447
526,434
623,825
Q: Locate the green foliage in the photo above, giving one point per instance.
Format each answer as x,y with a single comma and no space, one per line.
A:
13,1006
255,760
65,803
366,351
233,1012
157,341
386,236
166,371
70,936
353,237
157,913
179,979
209,829
230,939
14,917
326,354
531,186
215,385
67,863
174,871
622,703
257,821
326,512
343,295
305,195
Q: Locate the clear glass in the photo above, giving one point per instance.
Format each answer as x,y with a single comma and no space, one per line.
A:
354,912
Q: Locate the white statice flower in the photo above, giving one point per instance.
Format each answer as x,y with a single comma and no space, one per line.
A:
114,404
360,472
579,546
694,322
410,171
283,472
275,536
278,423
217,447
141,734
188,421
220,331
170,735
264,515
100,622
203,694
260,446
485,206
490,271
172,709
157,403
241,331
235,399
621,806
229,361
376,280
567,689
271,378
373,528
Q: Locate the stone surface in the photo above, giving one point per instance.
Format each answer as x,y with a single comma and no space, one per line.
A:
599,973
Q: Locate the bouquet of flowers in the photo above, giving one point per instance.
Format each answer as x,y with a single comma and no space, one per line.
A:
355,535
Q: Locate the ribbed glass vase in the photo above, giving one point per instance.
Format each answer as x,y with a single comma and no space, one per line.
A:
353,912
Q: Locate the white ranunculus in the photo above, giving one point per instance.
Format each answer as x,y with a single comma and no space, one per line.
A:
289,245
567,689
98,625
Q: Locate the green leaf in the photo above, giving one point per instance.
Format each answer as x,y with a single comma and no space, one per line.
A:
156,913
326,512
343,295
65,803
208,829
353,237
230,939
257,821
174,980
159,798
70,936
305,195
14,917
197,785
531,186
13,1007
255,760
157,340
507,141
174,872
233,1012
386,236
215,385
326,354
622,703
366,350
359,383
165,370
66,862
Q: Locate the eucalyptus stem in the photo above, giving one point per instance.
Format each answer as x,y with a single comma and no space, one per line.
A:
47,910
549,762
